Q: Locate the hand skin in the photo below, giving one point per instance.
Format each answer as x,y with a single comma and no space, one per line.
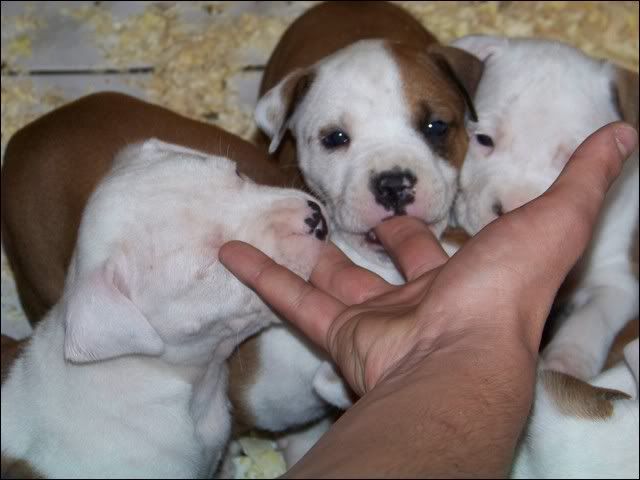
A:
445,364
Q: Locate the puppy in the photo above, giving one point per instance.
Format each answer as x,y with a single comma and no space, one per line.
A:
371,110
583,430
47,160
52,165
376,108
126,375
536,102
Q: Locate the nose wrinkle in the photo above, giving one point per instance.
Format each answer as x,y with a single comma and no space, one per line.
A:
317,222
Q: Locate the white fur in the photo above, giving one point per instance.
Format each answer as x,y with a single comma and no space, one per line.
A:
539,100
126,376
555,445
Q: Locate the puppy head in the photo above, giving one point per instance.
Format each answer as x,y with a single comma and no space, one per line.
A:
146,277
536,102
379,129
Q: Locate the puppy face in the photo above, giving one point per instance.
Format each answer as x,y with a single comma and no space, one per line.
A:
148,251
379,130
536,102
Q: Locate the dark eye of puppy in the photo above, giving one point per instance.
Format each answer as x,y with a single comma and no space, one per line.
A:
485,140
435,129
335,139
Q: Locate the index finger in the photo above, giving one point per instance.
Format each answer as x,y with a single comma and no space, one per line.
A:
413,247
336,274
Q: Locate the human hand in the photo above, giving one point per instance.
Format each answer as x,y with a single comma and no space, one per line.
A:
496,291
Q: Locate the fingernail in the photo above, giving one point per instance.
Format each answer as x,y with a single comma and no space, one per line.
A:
626,139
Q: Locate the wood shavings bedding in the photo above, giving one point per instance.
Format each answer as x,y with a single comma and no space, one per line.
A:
195,67
23,27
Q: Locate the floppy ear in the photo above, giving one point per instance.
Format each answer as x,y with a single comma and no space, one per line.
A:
102,323
462,68
624,90
276,106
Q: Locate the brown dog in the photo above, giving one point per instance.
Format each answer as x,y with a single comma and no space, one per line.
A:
53,164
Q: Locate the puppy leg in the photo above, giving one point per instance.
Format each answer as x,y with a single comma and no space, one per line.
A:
211,410
331,387
580,346
295,445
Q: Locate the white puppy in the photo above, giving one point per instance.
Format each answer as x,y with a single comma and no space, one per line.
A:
126,375
581,430
536,102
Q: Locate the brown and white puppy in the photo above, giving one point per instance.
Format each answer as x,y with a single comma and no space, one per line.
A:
126,375
583,430
376,108
52,165
365,107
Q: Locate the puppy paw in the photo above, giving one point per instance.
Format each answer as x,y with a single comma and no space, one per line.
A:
329,386
572,361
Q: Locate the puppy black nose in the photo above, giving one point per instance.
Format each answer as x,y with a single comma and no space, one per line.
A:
316,221
393,189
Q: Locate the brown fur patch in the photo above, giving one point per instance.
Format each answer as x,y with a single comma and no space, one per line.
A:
14,468
10,349
293,91
430,95
626,335
576,398
243,367
456,236
625,95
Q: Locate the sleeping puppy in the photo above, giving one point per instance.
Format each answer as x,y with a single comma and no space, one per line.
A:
583,430
369,110
536,102
126,375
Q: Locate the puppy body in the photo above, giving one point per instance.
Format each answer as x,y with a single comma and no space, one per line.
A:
537,101
126,376
583,430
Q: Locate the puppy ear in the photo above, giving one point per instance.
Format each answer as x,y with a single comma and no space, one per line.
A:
481,46
276,106
624,92
101,322
462,68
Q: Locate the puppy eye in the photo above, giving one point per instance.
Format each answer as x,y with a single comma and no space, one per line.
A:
435,129
484,140
335,139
